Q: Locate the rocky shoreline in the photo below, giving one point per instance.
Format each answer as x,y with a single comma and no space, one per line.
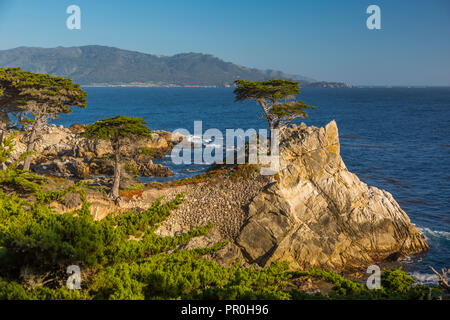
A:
314,213
63,152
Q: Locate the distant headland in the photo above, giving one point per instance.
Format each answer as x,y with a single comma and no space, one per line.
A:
112,67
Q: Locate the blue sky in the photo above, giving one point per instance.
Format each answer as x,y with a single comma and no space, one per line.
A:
323,39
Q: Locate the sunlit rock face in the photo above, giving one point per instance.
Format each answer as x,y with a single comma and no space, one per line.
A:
63,152
319,214
314,213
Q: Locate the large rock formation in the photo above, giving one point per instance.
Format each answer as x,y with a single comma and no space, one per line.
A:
320,214
64,152
314,213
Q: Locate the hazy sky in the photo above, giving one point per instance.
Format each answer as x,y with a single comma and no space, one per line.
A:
322,39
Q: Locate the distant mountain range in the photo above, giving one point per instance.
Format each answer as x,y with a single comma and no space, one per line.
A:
100,65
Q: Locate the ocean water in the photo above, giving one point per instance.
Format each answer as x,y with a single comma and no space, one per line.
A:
397,139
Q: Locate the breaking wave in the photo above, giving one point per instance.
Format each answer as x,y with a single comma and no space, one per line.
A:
425,278
434,234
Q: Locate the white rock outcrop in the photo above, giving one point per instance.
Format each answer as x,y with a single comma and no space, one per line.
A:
319,214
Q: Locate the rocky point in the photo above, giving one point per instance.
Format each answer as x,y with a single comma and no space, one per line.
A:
313,213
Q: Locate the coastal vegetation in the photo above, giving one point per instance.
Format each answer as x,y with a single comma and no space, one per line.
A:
277,98
123,256
117,131
34,98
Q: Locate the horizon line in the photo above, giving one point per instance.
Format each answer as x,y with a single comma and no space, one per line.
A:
212,55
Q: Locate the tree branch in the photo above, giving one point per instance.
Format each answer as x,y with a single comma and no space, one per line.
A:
443,279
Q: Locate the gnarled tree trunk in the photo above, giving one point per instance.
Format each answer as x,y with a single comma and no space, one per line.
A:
30,144
116,184
4,120
2,131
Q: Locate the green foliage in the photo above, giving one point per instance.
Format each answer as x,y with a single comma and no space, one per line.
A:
150,267
273,90
10,290
146,151
398,284
6,147
289,109
121,257
343,286
243,171
126,258
137,186
117,128
24,88
131,166
183,275
39,95
41,239
45,197
395,284
12,177
276,97
127,268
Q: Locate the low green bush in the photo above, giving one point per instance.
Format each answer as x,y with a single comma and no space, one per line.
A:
121,256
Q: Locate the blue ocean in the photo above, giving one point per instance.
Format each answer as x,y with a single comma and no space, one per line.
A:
397,139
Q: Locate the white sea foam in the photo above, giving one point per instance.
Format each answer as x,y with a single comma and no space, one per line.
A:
408,259
425,278
214,145
203,141
195,139
434,234
207,142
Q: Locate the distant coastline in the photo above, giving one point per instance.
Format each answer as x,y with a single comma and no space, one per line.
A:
304,85
101,66
172,85
149,85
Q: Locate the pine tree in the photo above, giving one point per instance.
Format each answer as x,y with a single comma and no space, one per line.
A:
276,98
117,131
42,96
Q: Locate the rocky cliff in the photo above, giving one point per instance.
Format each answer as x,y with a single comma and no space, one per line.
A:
314,213
320,214
63,152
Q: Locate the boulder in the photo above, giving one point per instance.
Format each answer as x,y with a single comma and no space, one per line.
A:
64,152
80,169
318,214
76,128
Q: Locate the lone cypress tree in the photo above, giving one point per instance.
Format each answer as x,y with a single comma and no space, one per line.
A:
276,98
118,130
42,96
